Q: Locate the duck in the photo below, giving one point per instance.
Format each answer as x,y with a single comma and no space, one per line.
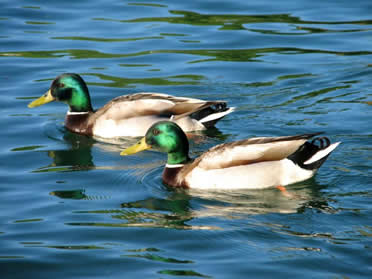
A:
253,163
128,115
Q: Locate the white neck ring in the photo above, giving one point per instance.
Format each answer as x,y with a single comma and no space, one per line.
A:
174,165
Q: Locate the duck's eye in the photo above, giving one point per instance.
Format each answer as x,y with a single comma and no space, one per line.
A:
60,85
155,132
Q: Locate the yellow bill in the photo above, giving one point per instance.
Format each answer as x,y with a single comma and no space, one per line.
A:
44,99
138,147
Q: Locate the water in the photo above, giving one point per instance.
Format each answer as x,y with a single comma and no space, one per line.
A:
71,207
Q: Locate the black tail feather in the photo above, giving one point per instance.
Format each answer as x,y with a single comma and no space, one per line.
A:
309,149
217,107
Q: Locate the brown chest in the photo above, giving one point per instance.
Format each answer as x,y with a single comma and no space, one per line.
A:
172,177
78,123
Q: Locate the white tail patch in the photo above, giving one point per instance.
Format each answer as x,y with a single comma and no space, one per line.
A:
322,153
216,115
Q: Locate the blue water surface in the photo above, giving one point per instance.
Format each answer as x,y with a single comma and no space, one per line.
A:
71,207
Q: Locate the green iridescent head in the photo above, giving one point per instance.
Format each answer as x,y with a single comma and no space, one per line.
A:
70,89
164,136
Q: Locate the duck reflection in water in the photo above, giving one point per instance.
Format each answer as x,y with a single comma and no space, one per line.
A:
184,205
180,207
78,156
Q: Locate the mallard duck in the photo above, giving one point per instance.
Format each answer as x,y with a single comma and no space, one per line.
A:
128,115
250,163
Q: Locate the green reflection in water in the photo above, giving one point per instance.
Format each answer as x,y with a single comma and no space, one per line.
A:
21,115
230,21
135,65
107,40
24,98
30,242
77,158
154,219
69,160
130,82
29,220
75,195
177,216
147,5
322,30
157,258
183,273
26,148
173,35
69,194
31,7
151,249
311,95
39,22
74,247
141,225
189,41
176,212
56,169
235,55
308,95
273,82
295,76
35,32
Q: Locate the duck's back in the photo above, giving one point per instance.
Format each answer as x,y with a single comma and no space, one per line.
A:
132,115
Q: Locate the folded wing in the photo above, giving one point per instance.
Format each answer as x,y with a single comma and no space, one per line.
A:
250,151
142,104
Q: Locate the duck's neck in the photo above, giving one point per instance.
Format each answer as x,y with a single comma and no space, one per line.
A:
80,101
81,107
177,158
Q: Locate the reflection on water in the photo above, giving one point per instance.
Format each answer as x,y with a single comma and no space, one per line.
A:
77,157
178,209
238,204
154,257
234,21
106,39
77,152
152,254
183,273
238,55
70,194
